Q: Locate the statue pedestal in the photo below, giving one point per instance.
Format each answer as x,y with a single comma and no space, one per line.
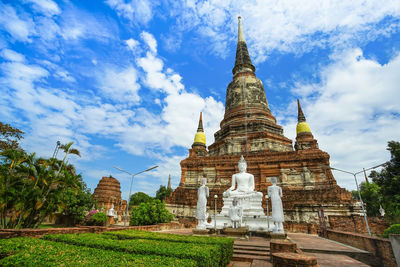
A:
236,232
200,231
253,214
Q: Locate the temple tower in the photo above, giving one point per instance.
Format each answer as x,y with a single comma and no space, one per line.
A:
304,137
199,145
249,129
248,125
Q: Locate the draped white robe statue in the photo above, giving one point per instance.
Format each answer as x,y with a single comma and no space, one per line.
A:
275,194
201,211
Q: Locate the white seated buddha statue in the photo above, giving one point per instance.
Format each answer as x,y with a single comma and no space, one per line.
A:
244,182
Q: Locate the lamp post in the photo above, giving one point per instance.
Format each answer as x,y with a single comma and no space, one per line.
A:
266,199
358,189
58,144
130,189
215,213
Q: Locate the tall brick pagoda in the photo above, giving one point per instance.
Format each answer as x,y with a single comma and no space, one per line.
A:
249,129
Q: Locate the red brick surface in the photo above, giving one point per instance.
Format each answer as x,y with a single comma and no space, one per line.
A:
293,259
282,246
356,223
380,247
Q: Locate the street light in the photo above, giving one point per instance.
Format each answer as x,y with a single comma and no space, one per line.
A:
130,189
358,189
215,213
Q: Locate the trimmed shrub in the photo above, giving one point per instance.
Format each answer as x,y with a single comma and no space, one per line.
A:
98,218
393,229
26,251
150,213
204,254
225,244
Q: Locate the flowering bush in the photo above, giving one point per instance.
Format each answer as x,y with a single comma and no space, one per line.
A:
96,217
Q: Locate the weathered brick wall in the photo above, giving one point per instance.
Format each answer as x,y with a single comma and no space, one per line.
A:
294,227
9,233
293,259
356,223
379,247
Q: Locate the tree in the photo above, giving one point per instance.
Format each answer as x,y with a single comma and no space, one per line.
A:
75,203
163,192
149,213
388,179
9,137
32,188
138,198
371,195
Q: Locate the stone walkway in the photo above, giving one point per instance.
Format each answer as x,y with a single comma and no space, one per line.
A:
328,253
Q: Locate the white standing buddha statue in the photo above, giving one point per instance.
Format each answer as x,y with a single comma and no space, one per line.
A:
275,193
201,210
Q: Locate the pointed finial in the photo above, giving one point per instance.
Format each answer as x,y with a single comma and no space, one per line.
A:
242,160
300,114
240,30
200,137
242,60
200,127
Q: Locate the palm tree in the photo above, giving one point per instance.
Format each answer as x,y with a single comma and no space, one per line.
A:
68,150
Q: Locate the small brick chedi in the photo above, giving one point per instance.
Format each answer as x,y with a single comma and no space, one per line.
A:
107,193
249,129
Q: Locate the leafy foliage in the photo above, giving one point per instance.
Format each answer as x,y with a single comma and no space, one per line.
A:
76,203
37,252
370,194
32,188
393,229
9,137
203,254
163,192
226,244
388,180
138,198
149,213
98,218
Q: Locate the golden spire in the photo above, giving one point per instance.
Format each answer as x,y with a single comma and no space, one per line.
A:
302,125
200,137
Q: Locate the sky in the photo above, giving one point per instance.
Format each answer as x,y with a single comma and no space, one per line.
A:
125,80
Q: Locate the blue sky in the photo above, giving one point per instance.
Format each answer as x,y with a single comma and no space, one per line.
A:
126,80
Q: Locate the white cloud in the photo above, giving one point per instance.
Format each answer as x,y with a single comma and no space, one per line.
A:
46,7
175,126
120,85
132,43
12,55
20,29
133,10
287,26
150,41
353,112
77,24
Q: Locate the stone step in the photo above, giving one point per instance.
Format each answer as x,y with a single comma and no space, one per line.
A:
249,247
251,252
249,258
251,244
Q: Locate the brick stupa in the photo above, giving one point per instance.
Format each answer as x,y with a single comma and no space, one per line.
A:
249,129
108,192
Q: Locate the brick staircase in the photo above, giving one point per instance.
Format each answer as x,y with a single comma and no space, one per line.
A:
248,252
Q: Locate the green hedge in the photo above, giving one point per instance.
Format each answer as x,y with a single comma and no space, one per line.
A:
393,229
226,244
26,251
204,254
